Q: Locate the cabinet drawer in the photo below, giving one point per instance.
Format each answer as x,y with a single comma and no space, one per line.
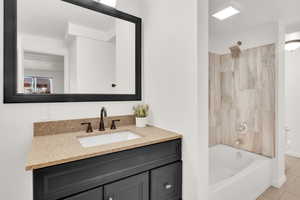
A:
166,182
95,194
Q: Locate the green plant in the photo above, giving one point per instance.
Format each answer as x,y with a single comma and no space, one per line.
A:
141,111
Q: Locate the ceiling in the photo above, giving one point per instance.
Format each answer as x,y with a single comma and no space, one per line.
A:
255,13
50,18
43,62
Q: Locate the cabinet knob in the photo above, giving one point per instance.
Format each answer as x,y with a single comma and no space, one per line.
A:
168,186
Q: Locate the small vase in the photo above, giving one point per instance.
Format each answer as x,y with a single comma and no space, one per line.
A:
141,122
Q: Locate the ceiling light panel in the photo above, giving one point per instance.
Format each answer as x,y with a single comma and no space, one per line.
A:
111,3
292,45
226,13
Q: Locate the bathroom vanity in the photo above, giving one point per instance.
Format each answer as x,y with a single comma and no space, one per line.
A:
148,167
150,172
86,51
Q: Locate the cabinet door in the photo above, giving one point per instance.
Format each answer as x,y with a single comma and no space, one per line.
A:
95,194
133,188
166,182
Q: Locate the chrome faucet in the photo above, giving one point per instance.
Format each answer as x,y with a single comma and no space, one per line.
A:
103,114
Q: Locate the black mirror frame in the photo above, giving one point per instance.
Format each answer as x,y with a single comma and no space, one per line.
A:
10,59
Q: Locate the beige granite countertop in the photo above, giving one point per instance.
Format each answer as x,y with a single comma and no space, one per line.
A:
53,150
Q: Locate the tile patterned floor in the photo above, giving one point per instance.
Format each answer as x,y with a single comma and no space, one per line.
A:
291,189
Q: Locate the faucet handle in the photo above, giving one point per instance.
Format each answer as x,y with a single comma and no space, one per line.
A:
89,127
113,124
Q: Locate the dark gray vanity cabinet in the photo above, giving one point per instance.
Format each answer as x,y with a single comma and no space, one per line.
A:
95,194
133,188
166,182
152,172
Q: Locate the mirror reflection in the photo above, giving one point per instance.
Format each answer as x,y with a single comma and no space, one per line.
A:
67,49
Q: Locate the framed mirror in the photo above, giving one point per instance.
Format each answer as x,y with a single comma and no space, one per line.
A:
70,51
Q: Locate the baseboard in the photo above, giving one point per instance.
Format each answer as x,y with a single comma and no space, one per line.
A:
293,154
279,183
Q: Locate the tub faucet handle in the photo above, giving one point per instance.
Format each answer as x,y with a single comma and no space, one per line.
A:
243,127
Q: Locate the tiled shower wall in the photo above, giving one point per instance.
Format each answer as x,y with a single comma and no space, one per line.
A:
242,90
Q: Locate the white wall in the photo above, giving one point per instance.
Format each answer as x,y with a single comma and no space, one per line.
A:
176,84
176,81
16,131
258,36
279,176
292,63
200,139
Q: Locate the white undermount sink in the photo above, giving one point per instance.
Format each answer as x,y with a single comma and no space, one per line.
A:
107,138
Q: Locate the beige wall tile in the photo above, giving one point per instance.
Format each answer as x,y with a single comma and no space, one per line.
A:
243,90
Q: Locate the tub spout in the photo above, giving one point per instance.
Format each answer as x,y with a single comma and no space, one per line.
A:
238,142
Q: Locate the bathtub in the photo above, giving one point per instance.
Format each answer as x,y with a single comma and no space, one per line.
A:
237,174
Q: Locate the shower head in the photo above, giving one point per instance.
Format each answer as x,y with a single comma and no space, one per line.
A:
235,50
